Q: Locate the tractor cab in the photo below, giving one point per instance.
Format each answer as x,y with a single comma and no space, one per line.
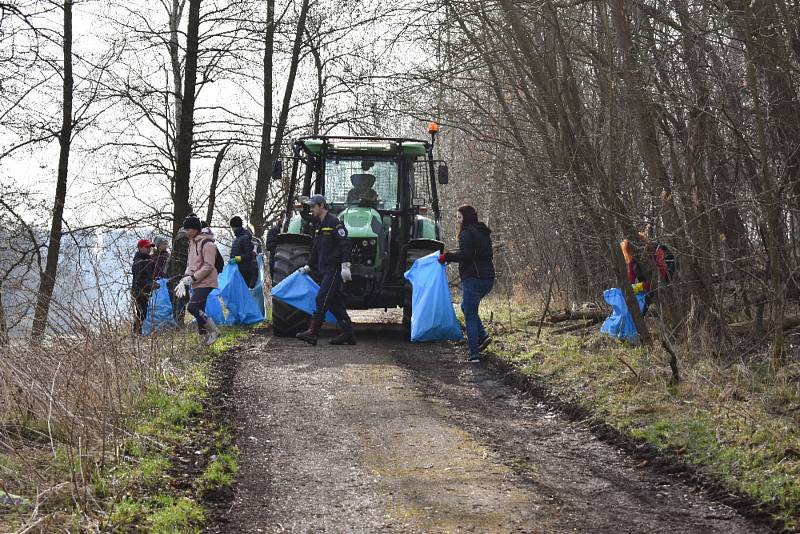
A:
385,193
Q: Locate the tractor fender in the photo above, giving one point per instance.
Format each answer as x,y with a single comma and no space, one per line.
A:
423,244
294,239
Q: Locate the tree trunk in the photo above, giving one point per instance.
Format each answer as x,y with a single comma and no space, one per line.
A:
320,97
175,17
264,175
48,277
770,204
3,322
183,148
212,193
642,108
264,161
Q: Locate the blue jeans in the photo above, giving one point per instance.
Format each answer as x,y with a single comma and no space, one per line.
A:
473,290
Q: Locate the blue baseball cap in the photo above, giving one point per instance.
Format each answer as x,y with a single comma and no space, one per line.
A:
315,199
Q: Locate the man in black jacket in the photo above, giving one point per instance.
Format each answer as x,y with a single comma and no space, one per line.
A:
242,252
330,255
142,286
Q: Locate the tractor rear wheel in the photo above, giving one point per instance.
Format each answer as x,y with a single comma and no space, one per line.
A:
412,255
288,320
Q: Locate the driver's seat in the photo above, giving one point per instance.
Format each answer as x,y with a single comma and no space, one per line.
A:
362,192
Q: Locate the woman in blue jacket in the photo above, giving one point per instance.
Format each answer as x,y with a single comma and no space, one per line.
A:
476,269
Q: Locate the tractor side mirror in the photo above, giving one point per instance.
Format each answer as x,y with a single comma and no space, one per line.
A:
443,174
277,169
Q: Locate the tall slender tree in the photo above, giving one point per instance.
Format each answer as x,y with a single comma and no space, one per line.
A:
48,278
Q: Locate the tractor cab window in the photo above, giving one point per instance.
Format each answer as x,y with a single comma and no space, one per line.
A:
361,181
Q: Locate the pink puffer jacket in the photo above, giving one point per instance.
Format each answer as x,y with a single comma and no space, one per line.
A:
201,260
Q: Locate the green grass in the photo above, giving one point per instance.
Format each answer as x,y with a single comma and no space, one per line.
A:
220,473
738,423
175,516
169,415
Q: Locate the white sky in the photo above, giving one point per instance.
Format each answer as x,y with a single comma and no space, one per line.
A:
92,163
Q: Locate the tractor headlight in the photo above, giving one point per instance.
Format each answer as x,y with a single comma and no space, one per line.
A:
365,243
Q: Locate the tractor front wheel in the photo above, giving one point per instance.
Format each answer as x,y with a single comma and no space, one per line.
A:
288,320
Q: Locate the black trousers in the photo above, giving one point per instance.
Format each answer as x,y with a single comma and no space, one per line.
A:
330,297
249,272
140,298
197,306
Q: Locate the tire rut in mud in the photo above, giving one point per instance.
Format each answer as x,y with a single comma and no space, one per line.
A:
397,437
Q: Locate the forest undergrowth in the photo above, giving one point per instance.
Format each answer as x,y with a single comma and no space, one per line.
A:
735,418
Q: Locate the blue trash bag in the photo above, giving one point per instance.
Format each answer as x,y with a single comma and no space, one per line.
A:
159,310
217,310
232,303
300,291
620,323
432,315
258,290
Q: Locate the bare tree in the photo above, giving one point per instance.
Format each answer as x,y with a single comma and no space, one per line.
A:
48,278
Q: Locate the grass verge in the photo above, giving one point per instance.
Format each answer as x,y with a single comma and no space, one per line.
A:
735,422
169,458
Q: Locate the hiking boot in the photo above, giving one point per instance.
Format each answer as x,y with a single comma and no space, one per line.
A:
213,331
484,342
346,337
474,358
310,335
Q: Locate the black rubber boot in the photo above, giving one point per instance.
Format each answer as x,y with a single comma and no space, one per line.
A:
346,337
310,335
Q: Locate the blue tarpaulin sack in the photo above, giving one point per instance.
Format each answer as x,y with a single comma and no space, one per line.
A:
258,291
232,303
159,310
300,291
432,315
620,323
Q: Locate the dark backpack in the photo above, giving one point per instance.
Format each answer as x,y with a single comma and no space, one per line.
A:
219,262
670,262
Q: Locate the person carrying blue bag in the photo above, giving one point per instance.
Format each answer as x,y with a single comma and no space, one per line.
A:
476,269
330,255
242,252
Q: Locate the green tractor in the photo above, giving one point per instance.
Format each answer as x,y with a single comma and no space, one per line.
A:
379,187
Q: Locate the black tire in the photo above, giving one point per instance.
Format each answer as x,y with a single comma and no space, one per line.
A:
288,320
412,255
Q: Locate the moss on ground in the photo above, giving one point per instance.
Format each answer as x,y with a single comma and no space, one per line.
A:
738,422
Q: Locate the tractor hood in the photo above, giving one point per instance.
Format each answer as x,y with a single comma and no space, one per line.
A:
361,222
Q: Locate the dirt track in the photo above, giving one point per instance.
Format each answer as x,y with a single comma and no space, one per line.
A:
389,436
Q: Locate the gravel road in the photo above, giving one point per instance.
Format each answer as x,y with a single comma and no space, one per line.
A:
398,437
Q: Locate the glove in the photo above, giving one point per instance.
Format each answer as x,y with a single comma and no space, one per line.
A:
305,269
234,260
637,288
346,274
442,259
180,289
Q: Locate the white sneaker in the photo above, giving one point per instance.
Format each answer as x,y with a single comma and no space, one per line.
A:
213,332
